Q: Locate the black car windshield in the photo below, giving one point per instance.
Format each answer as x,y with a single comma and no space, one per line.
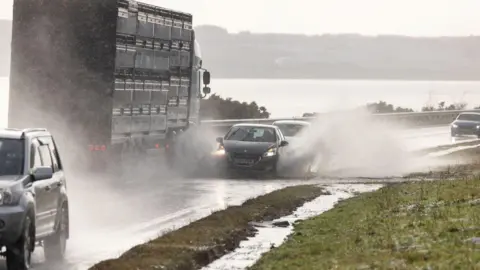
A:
251,134
469,117
290,130
11,157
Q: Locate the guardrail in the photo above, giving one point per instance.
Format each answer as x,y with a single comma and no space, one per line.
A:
416,119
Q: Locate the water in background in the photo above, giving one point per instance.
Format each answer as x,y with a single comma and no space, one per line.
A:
287,98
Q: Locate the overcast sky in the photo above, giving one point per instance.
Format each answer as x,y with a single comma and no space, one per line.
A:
369,17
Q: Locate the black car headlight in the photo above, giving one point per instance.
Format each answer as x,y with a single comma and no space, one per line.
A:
270,152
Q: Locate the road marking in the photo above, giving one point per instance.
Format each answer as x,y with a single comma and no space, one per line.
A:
451,150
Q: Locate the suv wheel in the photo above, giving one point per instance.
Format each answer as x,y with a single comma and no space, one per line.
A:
19,256
55,245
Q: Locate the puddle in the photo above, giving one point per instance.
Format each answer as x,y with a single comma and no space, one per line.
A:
273,234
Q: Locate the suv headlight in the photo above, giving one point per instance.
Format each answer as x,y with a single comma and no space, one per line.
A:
9,197
270,152
454,125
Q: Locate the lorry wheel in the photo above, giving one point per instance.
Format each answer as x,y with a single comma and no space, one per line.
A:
55,245
19,256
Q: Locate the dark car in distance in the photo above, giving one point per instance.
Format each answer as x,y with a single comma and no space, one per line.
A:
467,123
250,148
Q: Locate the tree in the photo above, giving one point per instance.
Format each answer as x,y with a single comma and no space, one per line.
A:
384,107
216,107
456,107
428,109
442,106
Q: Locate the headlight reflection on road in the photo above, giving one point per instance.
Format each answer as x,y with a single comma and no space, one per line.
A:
220,194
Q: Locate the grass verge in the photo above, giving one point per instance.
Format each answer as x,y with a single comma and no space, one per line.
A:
420,225
203,241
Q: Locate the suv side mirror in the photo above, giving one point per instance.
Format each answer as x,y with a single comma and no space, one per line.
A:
220,140
42,173
206,77
283,143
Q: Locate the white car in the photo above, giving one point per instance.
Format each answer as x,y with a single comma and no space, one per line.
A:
301,154
292,129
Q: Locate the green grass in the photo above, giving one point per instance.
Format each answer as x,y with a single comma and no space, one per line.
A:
207,239
422,225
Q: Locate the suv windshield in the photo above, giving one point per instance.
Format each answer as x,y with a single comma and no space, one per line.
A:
11,157
469,117
290,130
251,134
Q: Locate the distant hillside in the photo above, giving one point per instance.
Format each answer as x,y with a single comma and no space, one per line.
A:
338,56
247,55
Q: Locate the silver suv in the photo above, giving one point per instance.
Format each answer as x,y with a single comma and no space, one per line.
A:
33,197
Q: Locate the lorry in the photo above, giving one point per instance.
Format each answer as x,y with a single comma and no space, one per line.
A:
111,79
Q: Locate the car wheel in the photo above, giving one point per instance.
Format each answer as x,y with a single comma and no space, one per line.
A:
273,174
20,255
55,245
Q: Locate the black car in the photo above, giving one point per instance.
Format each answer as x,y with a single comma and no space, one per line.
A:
250,148
467,123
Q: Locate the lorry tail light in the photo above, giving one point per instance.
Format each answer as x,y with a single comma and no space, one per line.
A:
96,148
157,145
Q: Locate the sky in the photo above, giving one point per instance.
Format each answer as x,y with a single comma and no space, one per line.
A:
311,17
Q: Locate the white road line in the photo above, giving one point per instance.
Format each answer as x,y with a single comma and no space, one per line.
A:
451,150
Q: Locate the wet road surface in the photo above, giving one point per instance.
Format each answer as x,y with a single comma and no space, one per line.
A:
105,226
108,218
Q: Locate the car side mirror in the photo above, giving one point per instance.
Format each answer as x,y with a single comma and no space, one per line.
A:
42,173
206,77
283,143
220,140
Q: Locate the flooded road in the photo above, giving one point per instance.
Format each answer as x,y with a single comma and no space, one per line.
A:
105,225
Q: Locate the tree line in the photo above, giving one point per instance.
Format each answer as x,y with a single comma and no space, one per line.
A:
384,107
216,107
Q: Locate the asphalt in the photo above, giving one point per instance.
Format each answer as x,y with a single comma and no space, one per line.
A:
100,233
